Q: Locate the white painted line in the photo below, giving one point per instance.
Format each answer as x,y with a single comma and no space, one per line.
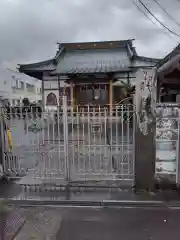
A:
133,201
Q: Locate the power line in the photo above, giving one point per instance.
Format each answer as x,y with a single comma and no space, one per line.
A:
147,16
165,11
161,23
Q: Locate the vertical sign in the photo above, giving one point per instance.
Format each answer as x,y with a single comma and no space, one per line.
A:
145,129
145,98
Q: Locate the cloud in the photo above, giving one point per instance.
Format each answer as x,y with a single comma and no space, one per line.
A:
29,30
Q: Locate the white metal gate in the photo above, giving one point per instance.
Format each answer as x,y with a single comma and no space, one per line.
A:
80,144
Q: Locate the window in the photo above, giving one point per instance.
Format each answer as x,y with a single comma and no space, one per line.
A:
16,83
13,102
30,87
51,100
22,85
18,102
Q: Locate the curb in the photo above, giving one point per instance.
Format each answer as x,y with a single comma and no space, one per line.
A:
102,203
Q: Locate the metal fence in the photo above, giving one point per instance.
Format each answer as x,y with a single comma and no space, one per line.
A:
79,144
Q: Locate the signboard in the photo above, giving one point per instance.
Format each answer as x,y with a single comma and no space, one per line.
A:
167,139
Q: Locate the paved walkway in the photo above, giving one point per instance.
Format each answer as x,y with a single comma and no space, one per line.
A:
13,222
41,224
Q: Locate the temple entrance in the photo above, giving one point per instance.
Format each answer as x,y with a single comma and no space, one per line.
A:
95,147
91,94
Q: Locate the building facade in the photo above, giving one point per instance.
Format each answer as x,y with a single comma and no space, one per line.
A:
88,73
16,86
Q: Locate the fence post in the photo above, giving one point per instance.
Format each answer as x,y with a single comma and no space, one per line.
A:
65,130
178,153
145,130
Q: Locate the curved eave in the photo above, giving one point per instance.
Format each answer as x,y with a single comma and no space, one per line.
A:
170,56
169,67
34,74
36,65
148,59
36,69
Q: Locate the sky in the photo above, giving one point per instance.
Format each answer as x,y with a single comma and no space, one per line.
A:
30,29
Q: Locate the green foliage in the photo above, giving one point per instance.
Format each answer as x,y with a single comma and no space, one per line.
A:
129,88
26,102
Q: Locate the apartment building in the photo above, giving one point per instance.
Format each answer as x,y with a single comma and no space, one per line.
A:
16,86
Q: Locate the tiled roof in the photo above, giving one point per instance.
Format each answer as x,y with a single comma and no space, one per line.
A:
81,61
169,56
39,66
90,57
168,66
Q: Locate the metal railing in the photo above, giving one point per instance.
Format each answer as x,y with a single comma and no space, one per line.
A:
79,144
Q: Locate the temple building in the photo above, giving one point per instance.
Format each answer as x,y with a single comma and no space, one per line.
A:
168,77
89,73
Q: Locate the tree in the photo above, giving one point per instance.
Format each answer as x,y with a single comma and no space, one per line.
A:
26,102
128,91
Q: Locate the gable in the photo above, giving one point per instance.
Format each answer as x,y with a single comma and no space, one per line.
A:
175,52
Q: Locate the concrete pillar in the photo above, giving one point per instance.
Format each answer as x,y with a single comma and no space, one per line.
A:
145,131
145,154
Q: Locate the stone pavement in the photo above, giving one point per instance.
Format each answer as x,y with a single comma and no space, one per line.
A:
41,224
14,221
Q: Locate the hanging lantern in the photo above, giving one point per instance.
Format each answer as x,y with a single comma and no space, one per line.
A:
96,93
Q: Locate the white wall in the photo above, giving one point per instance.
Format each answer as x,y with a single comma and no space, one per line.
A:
51,84
10,79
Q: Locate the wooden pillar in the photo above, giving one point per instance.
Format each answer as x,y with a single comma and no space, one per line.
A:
72,97
110,96
43,95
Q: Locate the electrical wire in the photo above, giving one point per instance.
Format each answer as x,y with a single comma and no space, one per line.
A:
161,23
147,16
166,12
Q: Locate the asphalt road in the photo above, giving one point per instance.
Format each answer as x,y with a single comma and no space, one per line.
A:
101,223
126,224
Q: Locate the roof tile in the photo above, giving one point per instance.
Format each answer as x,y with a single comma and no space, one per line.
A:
93,61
